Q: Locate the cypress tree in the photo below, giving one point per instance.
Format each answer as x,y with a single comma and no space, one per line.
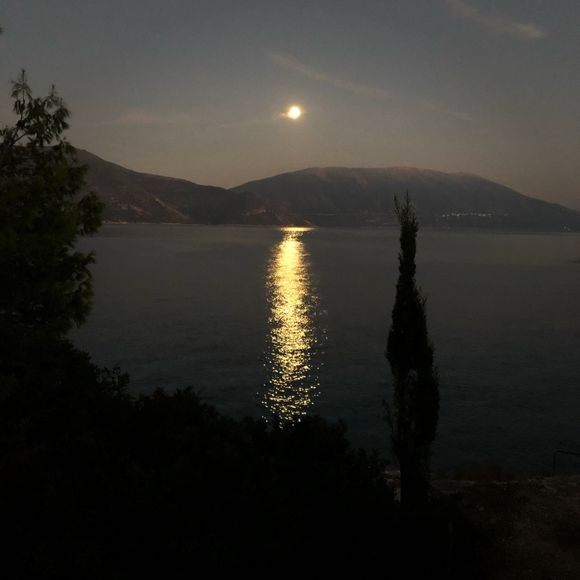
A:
414,413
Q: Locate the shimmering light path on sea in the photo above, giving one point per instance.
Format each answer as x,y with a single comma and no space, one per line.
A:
292,382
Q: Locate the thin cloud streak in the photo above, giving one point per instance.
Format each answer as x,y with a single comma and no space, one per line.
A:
138,117
497,24
144,118
243,123
437,108
293,64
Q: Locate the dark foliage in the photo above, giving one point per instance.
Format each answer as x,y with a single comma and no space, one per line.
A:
410,353
96,484
46,284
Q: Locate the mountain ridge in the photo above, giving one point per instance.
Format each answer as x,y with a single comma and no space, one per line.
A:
132,196
322,196
364,196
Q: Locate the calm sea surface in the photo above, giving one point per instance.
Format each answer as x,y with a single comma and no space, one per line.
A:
267,321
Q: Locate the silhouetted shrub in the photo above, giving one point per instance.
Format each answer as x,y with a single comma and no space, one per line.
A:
94,483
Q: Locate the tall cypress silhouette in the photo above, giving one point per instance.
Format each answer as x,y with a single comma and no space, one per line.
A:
415,410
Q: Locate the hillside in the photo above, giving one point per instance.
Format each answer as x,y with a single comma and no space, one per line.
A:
331,196
131,196
335,196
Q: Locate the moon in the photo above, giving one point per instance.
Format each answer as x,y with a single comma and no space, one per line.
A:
294,112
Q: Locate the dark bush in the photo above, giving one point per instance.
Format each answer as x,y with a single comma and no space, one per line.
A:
94,483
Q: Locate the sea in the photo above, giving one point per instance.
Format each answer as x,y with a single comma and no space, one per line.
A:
284,322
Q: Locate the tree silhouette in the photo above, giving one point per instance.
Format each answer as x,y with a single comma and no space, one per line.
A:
46,284
414,413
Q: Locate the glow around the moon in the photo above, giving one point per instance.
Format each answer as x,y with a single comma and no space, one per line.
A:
294,112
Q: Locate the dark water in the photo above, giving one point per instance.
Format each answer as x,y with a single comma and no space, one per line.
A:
264,320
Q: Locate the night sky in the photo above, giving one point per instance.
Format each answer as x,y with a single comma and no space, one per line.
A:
195,89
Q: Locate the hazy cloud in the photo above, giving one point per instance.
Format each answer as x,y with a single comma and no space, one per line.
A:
143,117
293,64
498,24
243,123
290,63
438,108
136,117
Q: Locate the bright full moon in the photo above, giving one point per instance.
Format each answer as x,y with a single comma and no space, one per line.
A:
294,112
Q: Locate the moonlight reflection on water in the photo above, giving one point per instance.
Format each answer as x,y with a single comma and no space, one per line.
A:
293,381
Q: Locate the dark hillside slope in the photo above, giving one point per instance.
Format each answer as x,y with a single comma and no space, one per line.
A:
131,196
348,196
